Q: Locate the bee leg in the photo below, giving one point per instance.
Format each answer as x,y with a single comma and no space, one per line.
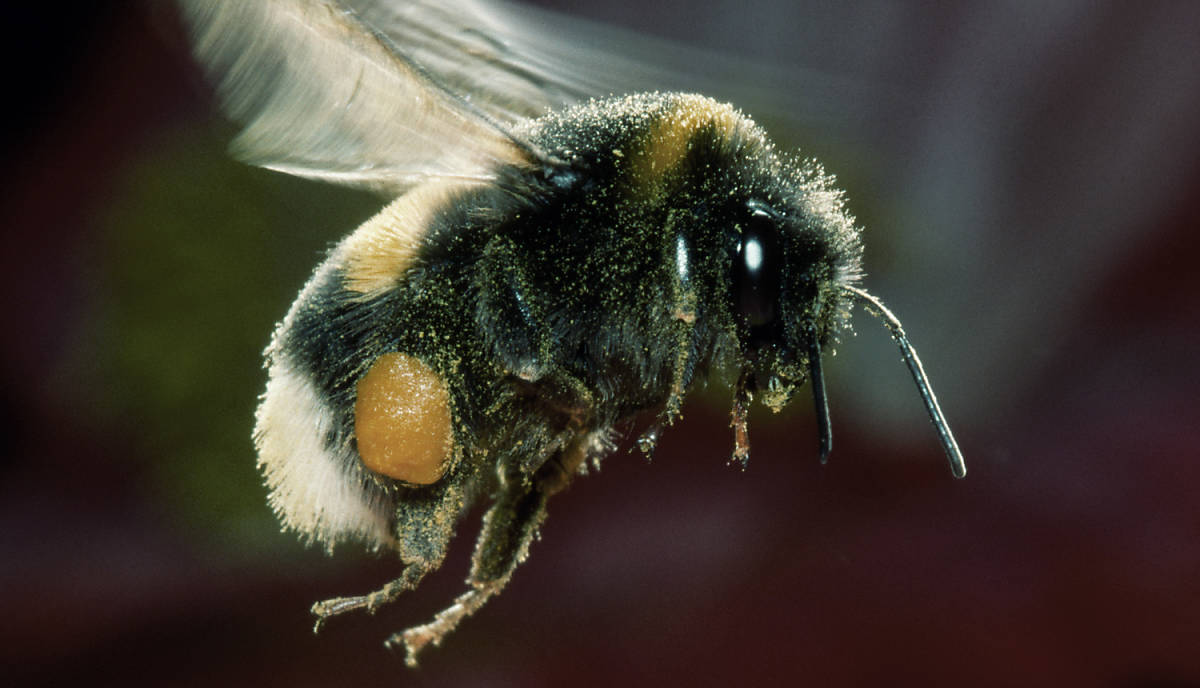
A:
412,575
739,418
567,399
509,527
425,523
682,371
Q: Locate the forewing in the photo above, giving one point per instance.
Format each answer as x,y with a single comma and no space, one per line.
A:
515,61
324,96
386,94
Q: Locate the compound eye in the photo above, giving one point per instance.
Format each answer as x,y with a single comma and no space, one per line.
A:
758,271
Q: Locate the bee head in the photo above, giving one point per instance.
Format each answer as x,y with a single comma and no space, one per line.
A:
792,282
787,270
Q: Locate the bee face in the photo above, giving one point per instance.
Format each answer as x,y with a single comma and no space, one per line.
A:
786,279
536,282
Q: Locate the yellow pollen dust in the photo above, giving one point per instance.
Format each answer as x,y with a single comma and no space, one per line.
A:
669,139
402,420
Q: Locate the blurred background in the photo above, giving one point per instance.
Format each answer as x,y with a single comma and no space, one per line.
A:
1028,177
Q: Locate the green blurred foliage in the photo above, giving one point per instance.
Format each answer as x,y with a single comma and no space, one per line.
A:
198,258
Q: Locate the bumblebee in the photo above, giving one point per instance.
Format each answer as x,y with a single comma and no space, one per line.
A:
552,267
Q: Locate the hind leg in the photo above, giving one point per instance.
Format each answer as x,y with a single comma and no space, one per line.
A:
509,527
412,575
424,525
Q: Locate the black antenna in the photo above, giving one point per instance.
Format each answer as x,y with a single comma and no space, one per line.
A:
957,466
820,400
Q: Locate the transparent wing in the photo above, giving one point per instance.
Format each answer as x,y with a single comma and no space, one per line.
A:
513,61
386,93
499,58
324,96
516,61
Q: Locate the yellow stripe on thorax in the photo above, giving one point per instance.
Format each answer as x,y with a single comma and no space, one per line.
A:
671,136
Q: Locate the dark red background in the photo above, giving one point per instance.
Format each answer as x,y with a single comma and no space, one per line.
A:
1029,190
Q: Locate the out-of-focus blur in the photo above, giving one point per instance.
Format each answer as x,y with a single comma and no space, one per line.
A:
1028,177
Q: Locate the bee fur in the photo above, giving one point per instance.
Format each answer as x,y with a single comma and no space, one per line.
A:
550,268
